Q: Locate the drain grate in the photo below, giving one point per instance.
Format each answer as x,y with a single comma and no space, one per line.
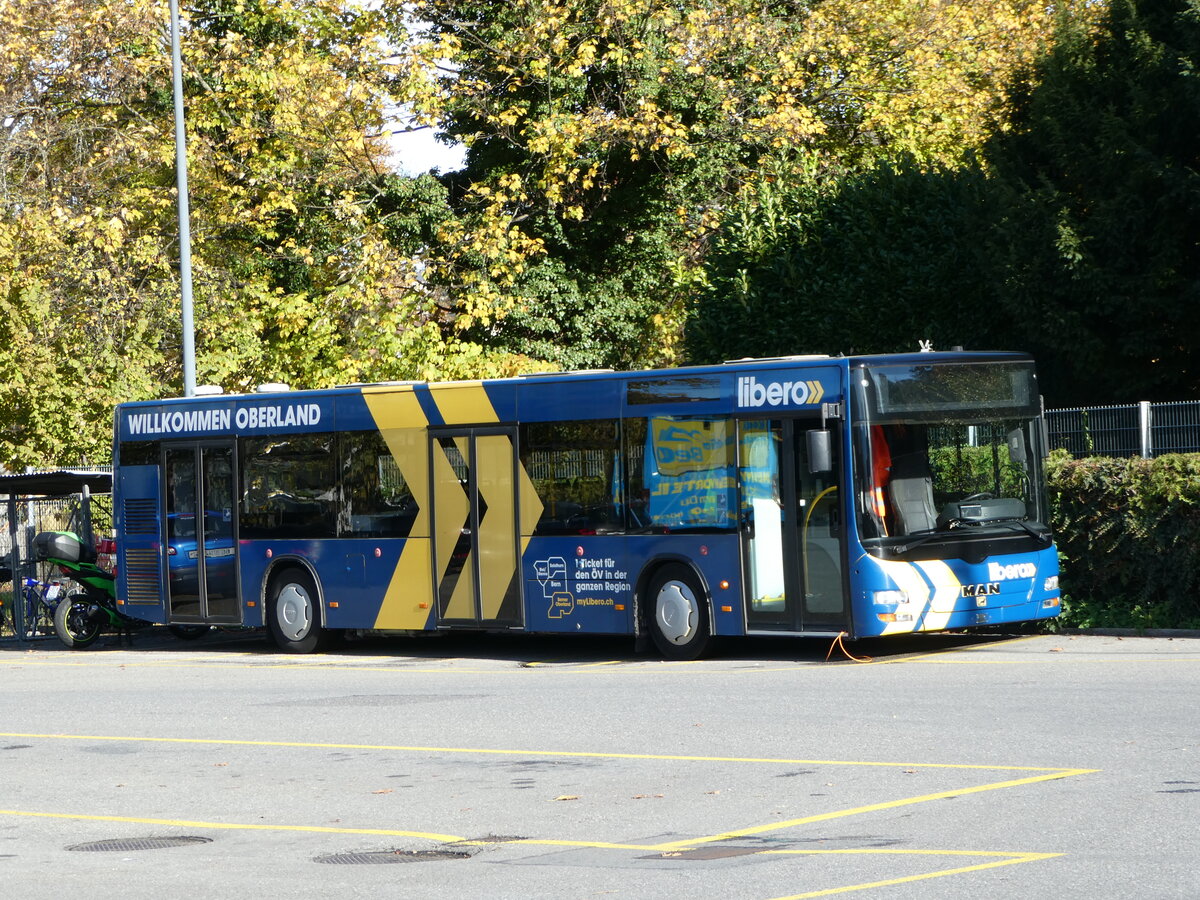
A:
122,845
383,857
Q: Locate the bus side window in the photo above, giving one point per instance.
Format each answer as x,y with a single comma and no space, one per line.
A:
572,466
376,500
288,487
688,473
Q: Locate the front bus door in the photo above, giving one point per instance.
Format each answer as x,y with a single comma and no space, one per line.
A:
475,527
791,530
200,539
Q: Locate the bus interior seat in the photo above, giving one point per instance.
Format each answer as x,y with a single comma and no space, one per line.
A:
911,491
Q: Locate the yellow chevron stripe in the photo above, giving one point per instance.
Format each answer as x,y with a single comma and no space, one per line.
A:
497,531
463,403
401,422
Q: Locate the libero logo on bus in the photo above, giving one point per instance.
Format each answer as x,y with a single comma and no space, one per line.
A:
752,393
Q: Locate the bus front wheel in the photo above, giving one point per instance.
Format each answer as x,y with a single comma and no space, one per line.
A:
293,614
678,613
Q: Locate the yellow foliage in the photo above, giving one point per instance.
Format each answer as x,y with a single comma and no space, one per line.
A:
856,80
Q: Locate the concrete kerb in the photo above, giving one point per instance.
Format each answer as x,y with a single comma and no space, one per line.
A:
1136,632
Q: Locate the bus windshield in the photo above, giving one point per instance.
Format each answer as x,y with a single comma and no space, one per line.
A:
950,454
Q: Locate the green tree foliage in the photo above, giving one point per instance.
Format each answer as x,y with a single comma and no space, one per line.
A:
866,262
85,282
1103,245
606,137
304,245
1071,234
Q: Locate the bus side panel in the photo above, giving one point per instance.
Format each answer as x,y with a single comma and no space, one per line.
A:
141,573
584,584
356,577
896,597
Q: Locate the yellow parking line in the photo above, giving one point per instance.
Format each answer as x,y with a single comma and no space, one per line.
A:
237,826
899,851
942,873
873,807
566,663
1054,772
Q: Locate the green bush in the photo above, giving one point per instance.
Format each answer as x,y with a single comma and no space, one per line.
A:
1128,533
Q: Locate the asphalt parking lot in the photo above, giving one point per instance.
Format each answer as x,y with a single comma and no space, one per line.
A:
480,766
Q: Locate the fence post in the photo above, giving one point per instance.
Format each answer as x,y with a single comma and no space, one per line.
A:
14,560
1144,424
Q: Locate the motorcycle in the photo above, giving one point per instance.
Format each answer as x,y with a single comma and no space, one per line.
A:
80,618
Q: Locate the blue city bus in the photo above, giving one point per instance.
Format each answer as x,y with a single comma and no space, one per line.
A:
811,496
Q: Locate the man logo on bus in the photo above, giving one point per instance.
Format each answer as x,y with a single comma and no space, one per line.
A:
980,590
753,393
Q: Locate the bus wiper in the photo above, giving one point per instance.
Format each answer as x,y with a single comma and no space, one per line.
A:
924,537
1021,524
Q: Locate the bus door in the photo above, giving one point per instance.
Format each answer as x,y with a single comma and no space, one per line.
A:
792,530
200,538
475,533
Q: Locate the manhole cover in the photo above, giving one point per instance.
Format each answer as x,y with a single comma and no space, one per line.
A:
121,845
379,857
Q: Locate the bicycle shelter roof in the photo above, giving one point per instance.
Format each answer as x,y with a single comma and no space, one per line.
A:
61,483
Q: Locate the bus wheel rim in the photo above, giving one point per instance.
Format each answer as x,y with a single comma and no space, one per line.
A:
677,612
294,612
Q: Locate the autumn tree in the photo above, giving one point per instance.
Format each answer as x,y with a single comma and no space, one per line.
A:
301,268
85,279
608,137
1070,234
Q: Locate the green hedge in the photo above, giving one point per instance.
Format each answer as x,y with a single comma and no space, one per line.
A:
1128,533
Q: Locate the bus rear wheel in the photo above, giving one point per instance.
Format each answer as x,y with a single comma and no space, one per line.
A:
678,613
293,613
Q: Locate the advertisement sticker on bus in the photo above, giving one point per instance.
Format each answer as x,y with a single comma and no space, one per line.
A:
690,473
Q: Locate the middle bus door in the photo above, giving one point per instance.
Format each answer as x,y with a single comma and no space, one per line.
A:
476,554
792,531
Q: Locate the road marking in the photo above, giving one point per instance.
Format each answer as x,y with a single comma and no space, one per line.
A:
545,664
873,807
959,656
942,873
1054,771
1005,858
237,826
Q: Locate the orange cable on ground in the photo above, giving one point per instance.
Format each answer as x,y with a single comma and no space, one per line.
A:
837,642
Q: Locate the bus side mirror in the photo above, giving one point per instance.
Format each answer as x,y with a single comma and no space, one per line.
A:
820,452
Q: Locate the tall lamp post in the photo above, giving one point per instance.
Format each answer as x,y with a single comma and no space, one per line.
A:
185,230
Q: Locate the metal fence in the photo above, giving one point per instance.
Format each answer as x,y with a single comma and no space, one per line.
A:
1135,429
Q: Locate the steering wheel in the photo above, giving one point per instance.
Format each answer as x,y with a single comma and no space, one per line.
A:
982,495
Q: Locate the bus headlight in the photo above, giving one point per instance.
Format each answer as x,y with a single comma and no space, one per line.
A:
1051,583
890,598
